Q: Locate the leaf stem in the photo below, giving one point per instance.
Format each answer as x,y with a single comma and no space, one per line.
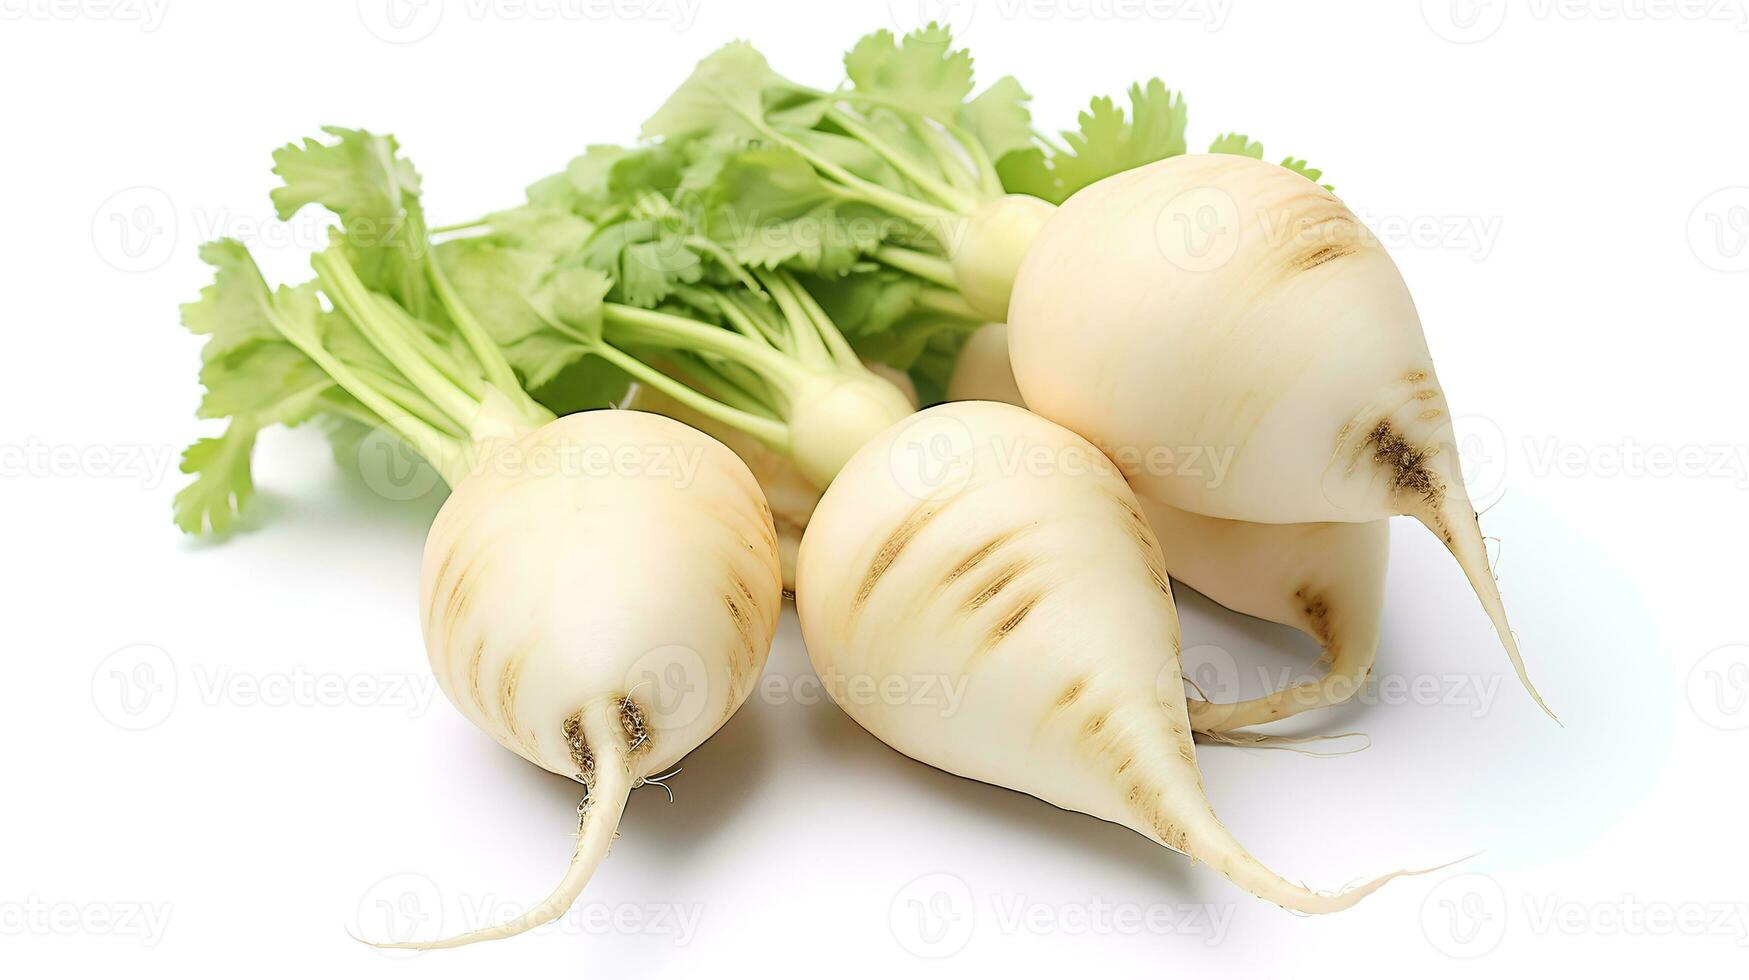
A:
931,268
773,433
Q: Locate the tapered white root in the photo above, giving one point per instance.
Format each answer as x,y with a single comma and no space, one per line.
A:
597,823
1239,867
1186,823
1455,523
1346,673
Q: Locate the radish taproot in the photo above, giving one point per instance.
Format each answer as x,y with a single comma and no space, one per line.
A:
1220,304
599,592
1326,580
978,542
560,609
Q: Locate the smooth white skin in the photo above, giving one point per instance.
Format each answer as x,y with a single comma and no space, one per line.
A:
1039,591
792,496
608,559
1223,305
982,372
1326,579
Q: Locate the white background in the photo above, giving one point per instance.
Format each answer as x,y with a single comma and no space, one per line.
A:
1563,185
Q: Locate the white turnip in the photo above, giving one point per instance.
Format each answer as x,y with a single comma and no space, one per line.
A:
1018,565
600,625
1326,579
1222,305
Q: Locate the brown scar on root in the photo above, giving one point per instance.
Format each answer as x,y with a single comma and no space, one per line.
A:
1317,613
1000,631
749,647
1334,230
527,738
581,757
895,544
437,583
1407,465
1003,578
631,721
460,594
474,676
1321,255
976,558
1146,541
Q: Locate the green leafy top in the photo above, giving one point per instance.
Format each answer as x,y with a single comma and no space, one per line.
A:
1108,141
923,72
1242,145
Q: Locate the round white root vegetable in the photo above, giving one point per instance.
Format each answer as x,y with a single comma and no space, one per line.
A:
1223,305
1326,579
570,580
979,543
982,372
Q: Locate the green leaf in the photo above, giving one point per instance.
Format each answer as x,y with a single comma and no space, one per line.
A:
222,486
646,259
725,94
584,385
1305,170
1241,145
866,301
1028,172
1237,144
497,282
1109,143
768,207
519,294
375,192
607,179
231,310
252,375
537,228
999,119
269,379
923,72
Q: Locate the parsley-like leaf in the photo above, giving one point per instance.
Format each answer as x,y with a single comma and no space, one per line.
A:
922,72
